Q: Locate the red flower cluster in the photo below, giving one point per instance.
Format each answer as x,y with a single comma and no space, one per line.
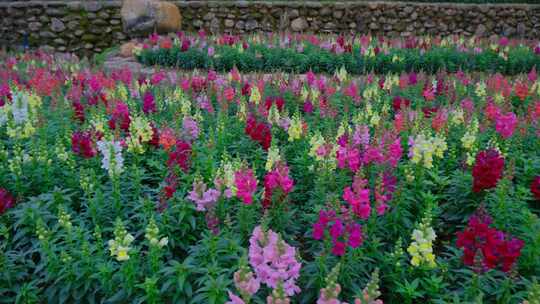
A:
6,200
259,132
535,188
399,103
180,156
487,170
278,100
83,145
497,249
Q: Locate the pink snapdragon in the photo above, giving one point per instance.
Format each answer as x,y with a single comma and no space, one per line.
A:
274,261
246,185
505,124
149,103
348,157
202,197
191,128
341,233
278,178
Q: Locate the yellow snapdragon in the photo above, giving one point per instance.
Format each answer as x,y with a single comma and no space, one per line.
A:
119,247
424,148
255,96
152,235
272,158
140,132
421,248
295,128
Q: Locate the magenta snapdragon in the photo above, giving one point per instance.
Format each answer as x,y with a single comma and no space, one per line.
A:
246,185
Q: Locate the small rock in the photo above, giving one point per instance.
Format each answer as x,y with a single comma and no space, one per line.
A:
59,41
92,6
209,16
47,35
480,30
338,14
251,25
126,49
229,23
54,12
57,25
34,26
299,24
47,48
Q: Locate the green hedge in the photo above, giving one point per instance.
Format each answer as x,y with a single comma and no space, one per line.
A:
259,58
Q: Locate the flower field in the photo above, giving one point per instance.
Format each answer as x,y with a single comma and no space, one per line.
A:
230,185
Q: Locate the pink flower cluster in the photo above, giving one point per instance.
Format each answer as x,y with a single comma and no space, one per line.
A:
274,261
246,185
278,178
505,124
339,232
358,197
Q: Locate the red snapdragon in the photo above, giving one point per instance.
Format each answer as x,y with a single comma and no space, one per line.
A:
487,170
495,248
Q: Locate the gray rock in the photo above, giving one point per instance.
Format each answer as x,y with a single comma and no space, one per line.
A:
72,25
47,48
240,25
57,25
92,6
229,23
299,24
47,35
55,12
337,14
480,31
209,16
251,25
34,26
59,41
293,13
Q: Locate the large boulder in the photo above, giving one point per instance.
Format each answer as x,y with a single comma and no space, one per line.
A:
142,17
168,18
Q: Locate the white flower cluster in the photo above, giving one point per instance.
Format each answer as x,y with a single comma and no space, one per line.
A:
112,160
19,108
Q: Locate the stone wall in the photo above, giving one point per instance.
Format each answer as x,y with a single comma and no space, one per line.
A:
92,26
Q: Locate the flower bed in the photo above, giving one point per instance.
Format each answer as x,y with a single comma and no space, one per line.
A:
208,188
357,55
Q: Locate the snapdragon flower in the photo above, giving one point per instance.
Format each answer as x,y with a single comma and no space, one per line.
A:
112,160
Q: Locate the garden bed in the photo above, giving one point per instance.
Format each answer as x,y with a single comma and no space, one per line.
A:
209,187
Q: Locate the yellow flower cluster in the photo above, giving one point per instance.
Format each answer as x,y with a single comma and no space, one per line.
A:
64,219
152,235
255,96
140,132
272,158
119,247
421,248
468,141
424,148
21,114
295,128
480,89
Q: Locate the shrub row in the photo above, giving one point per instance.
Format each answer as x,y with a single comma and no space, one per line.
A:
259,58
